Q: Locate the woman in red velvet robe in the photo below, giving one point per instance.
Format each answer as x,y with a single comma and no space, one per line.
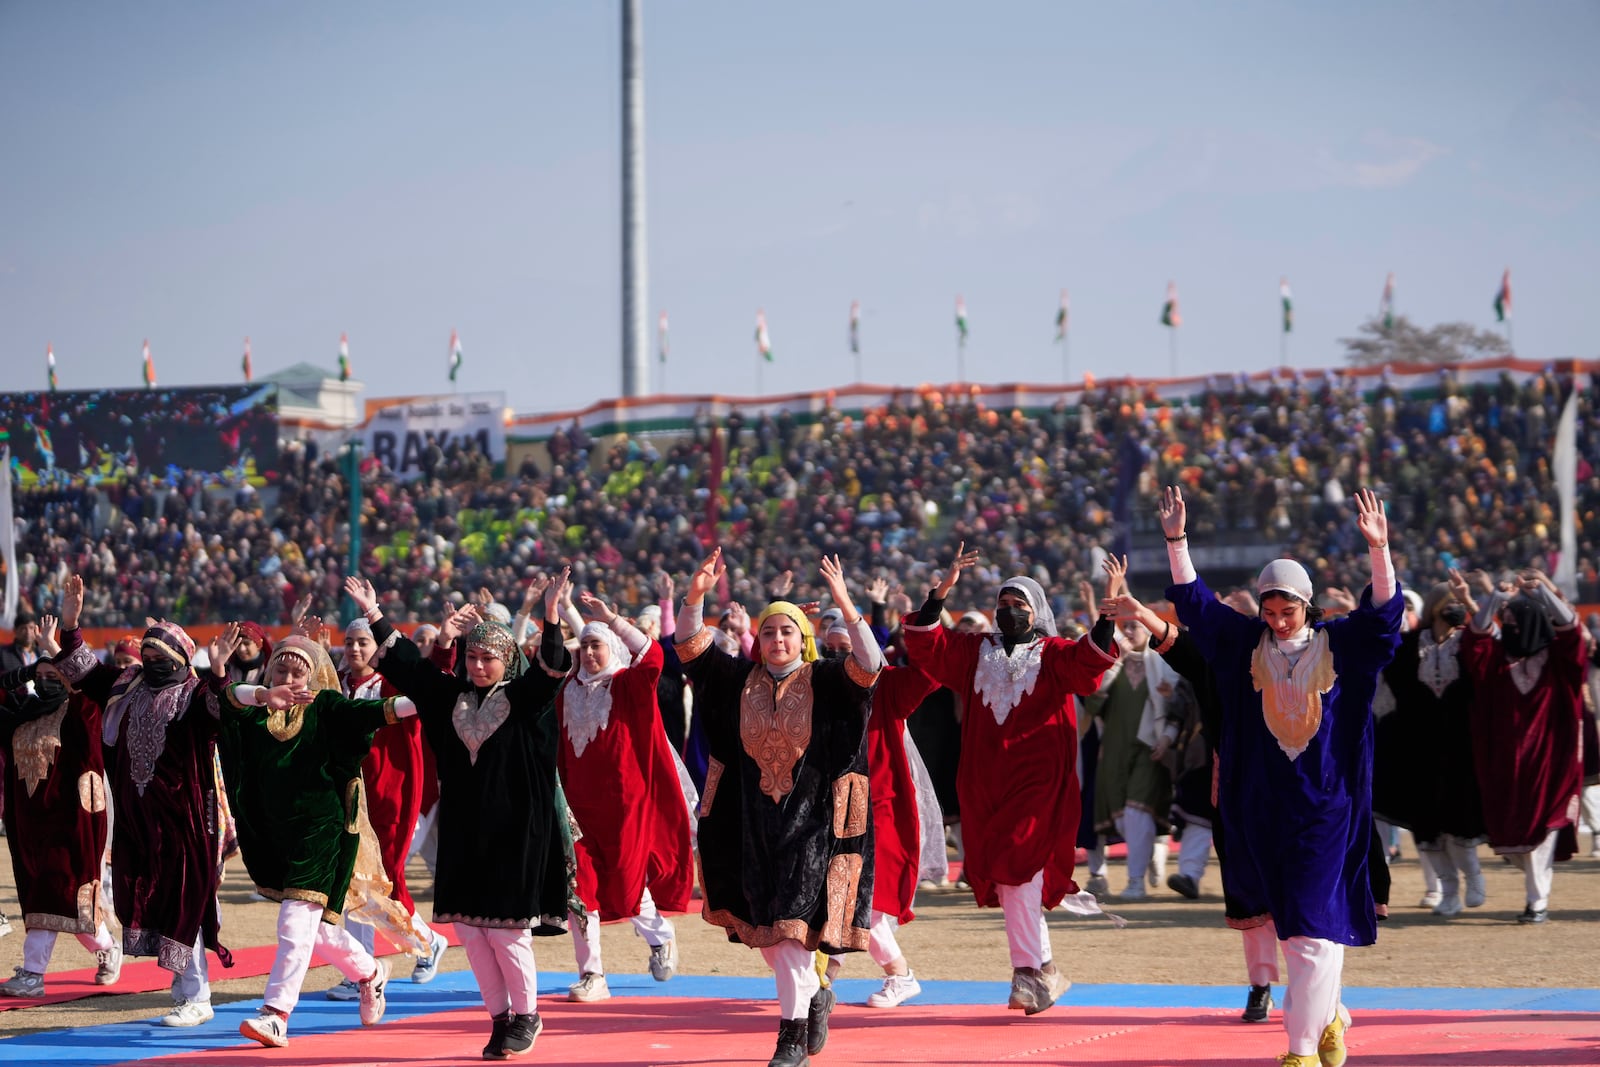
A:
634,856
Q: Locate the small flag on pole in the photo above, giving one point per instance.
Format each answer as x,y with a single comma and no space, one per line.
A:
662,346
1170,315
344,357
455,354
855,326
763,340
1502,299
50,362
1386,306
245,364
149,367
1288,305
1061,317
961,320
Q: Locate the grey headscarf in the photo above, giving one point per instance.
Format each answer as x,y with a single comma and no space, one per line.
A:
1044,620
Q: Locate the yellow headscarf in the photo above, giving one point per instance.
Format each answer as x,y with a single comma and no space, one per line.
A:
808,646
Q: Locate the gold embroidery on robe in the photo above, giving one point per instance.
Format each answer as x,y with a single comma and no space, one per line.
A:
284,725
850,807
775,726
1291,696
92,791
713,776
844,876
34,747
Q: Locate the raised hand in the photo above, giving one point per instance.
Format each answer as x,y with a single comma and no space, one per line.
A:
1461,589
48,626
663,585
705,577
899,602
71,601
597,608
559,589
301,606
1370,519
1086,594
781,586
1173,513
284,697
531,595
361,593
833,577
1123,608
1116,574
738,618
222,648
1342,599
458,623
1241,601
310,626
963,560
878,591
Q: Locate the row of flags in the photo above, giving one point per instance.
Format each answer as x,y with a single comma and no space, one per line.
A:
1171,317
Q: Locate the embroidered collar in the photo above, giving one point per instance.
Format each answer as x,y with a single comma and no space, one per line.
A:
1003,680
1438,664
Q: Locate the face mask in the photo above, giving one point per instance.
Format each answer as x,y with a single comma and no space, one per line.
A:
50,690
165,673
1453,614
836,654
1015,623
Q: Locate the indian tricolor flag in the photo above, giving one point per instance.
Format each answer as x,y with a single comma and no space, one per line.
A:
50,363
455,354
1386,305
961,320
1061,317
1502,299
149,367
245,364
1170,315
1288,305
344,357
662,342
855,326
763,340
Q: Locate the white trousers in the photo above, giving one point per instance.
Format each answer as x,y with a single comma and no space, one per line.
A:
1026,934
1260,952
1455,860
1194,850
1097,858
650,924
1138,829
1589,800
302,932
1316,969
881,943
194,981
1433,862
502,962
1538,871
39,945
794,967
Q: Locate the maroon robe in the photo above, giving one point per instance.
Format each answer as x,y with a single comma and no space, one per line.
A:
1525,745
164,852
897,830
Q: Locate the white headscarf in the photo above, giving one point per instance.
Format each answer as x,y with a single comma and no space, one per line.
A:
1044,620
586,702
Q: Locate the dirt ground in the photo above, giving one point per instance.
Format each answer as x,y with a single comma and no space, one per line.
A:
1167,939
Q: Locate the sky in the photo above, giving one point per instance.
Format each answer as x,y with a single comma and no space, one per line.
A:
195,173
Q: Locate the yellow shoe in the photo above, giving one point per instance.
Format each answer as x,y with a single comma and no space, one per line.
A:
1295,1059
1330,1050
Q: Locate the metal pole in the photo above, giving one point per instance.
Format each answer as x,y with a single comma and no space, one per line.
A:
635,343
1172,351
352,459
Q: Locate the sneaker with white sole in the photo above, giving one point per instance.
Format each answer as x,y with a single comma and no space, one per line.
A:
189,1013
1430,899
1476,892
664,960
897,989
589,988
5,925
268,1027
345,990
24,983
373,1002
521,1033
108,965
427,968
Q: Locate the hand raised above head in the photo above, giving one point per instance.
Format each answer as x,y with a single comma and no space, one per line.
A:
1173,513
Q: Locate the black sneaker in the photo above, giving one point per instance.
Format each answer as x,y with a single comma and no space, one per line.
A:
817,1020
522,1032
1529,915
496,1048
791,1050
1183,885
1259,1005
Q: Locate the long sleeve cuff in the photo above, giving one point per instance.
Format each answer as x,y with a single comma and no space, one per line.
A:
929,613
1183,572
520,627
1561,613
1104,634
632,639
864,646
1384,586
669,619
1483,622
404,708
691,619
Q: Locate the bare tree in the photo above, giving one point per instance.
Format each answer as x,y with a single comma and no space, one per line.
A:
1406,342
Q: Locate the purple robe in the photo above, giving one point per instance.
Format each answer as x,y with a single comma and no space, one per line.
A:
1297,831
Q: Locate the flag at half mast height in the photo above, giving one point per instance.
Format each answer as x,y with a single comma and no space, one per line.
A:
661,337
961,320
855,326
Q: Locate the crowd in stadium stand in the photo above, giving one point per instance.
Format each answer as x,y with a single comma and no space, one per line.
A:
1466,473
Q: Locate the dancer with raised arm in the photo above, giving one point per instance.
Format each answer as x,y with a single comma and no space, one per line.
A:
634,858
1018,780
1295,763
786,853
501,871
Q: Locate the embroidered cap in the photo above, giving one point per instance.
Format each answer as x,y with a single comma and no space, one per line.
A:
1284,576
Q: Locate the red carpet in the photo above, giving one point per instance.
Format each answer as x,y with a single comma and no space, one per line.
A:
638,1030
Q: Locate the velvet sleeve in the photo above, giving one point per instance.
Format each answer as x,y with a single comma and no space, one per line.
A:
1076,666
1567,657
946,656
433,690
1369,635
718,679
1481,655
900,691
78,662
1184,657
354,720
638,684
1214,626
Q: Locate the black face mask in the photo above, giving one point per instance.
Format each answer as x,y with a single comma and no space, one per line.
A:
1014,623
836,654
50,691
161,674
1453,614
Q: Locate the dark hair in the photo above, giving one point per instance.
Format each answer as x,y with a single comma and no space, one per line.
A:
1314,612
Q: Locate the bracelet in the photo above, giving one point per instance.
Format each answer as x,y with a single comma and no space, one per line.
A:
1380,544
850,622
373,613
1175,540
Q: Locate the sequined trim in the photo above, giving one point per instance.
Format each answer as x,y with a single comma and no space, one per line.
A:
585,711
850,806
475,723
775,726
170,955
1525,672
692,646
34,747
713,776
1001,680
550,924
844,878
285,725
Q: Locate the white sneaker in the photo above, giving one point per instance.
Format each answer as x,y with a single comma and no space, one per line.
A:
590,988
373,1001
897,989
24,983
1430,899
664,960
189,1013
5,923
345,990
1477,892
427,968
108,965
1449,904
268,1027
